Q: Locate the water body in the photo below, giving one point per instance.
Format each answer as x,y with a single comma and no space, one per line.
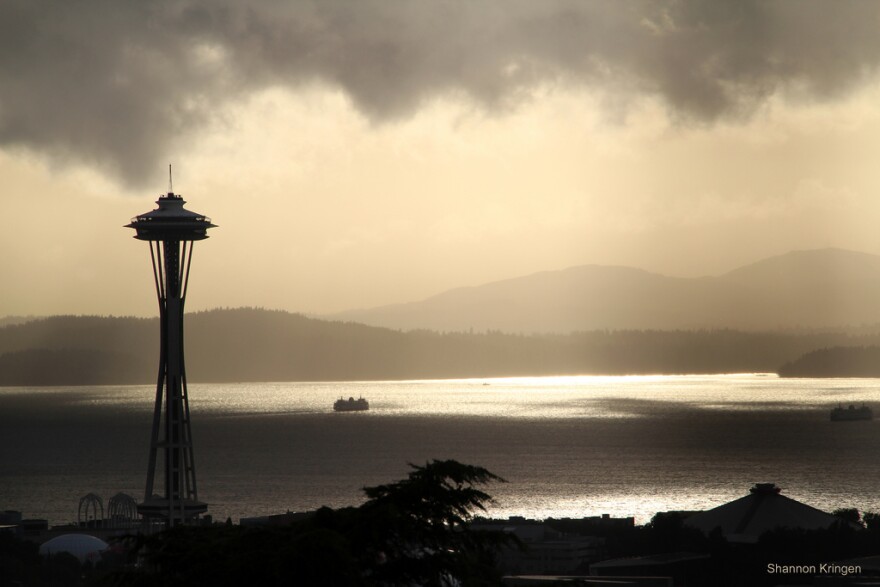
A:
567,446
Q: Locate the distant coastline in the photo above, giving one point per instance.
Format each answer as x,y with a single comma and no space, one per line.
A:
253,345
838,361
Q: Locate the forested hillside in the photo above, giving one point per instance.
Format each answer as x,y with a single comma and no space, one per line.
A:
839,361
249,344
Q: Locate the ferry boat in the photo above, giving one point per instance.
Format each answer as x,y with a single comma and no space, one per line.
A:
351,405
850,413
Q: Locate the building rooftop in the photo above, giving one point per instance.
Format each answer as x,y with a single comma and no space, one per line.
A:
763,509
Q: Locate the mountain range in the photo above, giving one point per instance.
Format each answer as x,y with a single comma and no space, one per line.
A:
825,288
807,313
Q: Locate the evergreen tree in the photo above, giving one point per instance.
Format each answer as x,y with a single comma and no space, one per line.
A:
411,532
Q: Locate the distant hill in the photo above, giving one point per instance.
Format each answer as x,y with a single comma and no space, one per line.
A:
78,350
827,288
248,344
10,320
838,361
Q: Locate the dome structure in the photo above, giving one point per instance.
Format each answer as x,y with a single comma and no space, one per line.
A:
82,546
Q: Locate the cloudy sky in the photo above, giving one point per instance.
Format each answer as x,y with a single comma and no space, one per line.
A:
367,152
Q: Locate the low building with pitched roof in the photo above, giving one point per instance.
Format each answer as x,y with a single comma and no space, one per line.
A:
765,508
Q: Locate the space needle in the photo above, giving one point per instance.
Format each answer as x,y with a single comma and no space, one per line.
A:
171,230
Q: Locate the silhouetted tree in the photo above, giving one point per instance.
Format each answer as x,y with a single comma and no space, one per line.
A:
412,532
872,521
850,515
418,528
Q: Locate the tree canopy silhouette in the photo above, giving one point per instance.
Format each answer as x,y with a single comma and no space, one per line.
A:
410,532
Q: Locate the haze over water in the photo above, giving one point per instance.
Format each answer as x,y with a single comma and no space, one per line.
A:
568,446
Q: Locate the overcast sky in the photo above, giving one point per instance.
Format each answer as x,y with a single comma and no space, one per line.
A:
361,153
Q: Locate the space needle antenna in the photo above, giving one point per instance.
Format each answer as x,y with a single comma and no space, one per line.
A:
170,189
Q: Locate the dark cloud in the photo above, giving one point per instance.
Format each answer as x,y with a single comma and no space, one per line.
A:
111,83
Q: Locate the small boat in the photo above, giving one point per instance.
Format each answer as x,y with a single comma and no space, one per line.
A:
850,413
351,405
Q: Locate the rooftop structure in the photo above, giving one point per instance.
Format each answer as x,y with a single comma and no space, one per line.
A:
746,518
